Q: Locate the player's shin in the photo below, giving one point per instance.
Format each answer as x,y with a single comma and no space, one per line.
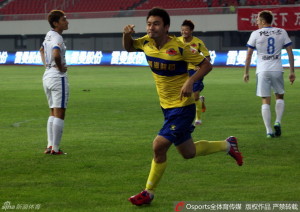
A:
156,172
204,147
279,109
58,126
198,109
266,115
50,131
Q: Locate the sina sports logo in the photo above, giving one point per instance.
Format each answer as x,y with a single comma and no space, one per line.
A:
179,206
171,52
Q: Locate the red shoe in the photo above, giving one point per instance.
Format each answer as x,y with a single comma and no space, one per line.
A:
234,150
142,198
48,150
60,152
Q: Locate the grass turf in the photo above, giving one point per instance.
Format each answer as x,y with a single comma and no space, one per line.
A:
112,117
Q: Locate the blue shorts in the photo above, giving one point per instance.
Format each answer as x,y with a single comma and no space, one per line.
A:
198,86
178,125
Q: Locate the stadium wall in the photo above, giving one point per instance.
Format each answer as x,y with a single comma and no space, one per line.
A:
218,31
205,23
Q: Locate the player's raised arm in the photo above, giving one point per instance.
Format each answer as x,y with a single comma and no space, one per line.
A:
127,39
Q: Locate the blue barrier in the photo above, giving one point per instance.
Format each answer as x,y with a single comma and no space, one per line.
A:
123,58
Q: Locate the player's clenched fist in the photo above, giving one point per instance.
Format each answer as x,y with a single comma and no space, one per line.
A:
127,41
129,29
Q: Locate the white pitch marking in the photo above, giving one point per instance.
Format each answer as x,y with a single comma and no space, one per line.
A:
17,124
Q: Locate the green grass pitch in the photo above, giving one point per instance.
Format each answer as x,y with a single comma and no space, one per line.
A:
113,116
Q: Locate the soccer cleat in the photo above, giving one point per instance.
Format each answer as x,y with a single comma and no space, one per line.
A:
234,150
48,150
141,198
270,135
60,152
198,122
202,99
277,128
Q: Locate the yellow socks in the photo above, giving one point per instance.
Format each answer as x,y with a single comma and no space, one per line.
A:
204,147
156,172
198,109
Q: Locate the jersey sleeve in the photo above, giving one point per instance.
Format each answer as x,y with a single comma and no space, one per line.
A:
57,43
203,49
251,42
192,56
139,43
287,40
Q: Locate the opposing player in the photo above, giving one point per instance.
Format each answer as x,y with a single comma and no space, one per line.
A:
187,29
168,58
55,80
269,41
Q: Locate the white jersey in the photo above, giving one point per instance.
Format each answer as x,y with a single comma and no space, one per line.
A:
53,40
269,41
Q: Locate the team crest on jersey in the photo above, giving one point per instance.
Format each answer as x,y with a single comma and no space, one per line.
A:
193,50
171,52
193,45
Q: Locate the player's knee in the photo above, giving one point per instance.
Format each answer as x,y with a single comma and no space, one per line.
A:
279,96
159,151
188,156
160,156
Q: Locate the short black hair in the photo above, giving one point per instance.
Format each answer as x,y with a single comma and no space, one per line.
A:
54,16
267,16
156,11
188,23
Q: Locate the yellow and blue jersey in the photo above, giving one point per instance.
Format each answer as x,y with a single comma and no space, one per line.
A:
169,68
197,44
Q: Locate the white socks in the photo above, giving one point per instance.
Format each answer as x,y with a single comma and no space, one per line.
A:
279,108
50,131
58,126
266,115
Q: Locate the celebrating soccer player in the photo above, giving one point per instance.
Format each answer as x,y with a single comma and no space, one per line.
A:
187,37
168,58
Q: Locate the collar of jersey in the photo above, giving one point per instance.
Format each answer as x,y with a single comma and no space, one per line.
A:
153,42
